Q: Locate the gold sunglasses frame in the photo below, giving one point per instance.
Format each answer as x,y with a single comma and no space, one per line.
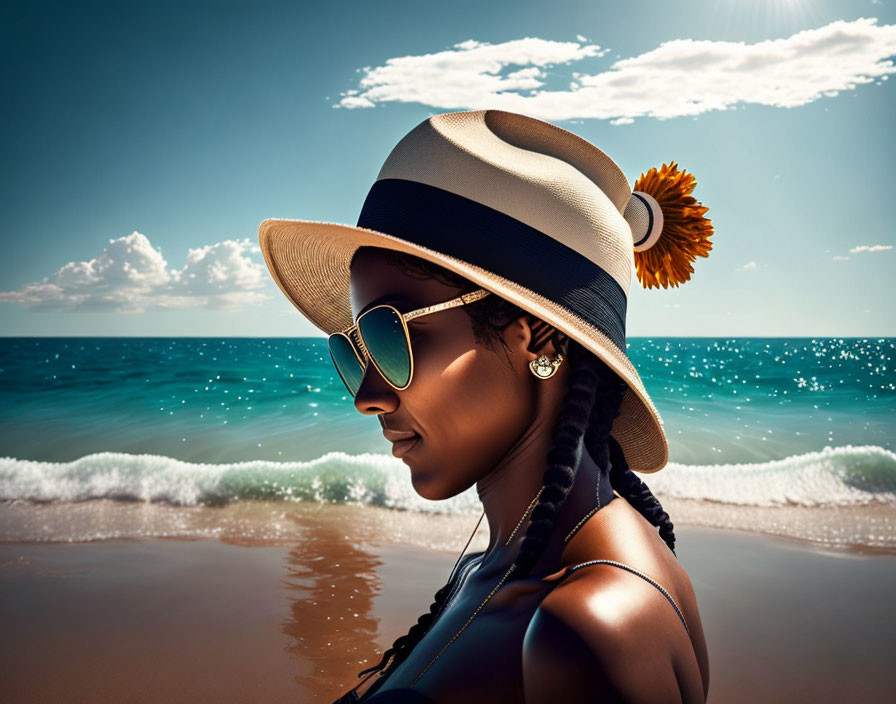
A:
356,340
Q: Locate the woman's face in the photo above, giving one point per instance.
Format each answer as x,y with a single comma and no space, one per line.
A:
464,401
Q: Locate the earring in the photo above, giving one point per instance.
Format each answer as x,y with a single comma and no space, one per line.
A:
543,368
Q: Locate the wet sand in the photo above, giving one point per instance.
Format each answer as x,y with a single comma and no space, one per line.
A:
295,617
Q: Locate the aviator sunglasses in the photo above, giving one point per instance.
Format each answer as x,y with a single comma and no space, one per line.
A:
381,335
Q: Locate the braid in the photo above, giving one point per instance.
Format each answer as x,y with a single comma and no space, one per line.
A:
607,452
627,483
563,458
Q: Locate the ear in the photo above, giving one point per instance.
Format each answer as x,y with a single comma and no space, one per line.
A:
534,336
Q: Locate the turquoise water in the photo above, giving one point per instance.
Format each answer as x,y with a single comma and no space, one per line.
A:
206,420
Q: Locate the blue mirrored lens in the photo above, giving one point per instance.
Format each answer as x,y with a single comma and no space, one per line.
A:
387,344
346,362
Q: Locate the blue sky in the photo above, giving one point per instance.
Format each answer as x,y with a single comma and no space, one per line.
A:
143,144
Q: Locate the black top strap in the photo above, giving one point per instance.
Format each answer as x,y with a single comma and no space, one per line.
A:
633,571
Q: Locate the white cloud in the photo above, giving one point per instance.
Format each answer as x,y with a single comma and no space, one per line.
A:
678,78
872,248
218,269
749,266
838,258
131,276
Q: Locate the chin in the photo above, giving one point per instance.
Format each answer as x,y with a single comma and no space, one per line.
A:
427,486
427,490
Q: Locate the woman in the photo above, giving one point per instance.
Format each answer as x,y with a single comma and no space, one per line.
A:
487,283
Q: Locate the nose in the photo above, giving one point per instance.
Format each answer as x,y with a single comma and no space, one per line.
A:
374,394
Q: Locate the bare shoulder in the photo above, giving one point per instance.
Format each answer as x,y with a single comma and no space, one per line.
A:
606,633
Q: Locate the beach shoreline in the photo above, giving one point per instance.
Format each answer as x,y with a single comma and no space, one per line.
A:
271,522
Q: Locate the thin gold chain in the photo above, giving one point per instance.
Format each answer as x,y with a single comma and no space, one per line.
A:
469,620
586,516
523,517
579,524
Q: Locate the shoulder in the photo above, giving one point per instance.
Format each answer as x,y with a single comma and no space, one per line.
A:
601,634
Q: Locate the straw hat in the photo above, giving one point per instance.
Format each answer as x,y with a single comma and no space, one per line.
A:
528,211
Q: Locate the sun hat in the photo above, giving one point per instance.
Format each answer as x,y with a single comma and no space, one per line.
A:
527,210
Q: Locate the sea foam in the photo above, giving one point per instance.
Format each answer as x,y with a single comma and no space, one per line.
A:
841,476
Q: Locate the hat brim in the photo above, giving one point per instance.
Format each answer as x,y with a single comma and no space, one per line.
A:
310,260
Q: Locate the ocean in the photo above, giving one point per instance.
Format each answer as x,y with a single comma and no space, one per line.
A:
753,423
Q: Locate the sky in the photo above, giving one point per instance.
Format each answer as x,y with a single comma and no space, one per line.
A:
143,144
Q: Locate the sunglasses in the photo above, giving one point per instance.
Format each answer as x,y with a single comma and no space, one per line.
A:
381,335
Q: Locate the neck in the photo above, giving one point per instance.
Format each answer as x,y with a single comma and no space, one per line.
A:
510,487
507,491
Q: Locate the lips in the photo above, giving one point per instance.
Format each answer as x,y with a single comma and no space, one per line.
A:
398,435
402,440
402,447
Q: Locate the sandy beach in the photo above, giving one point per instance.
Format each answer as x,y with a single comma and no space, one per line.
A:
294,618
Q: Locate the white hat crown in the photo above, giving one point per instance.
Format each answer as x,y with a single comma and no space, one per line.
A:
533,171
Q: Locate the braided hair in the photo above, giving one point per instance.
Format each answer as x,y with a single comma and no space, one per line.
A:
585,419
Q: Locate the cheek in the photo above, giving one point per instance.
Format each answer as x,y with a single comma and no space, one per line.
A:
473,408
486,390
